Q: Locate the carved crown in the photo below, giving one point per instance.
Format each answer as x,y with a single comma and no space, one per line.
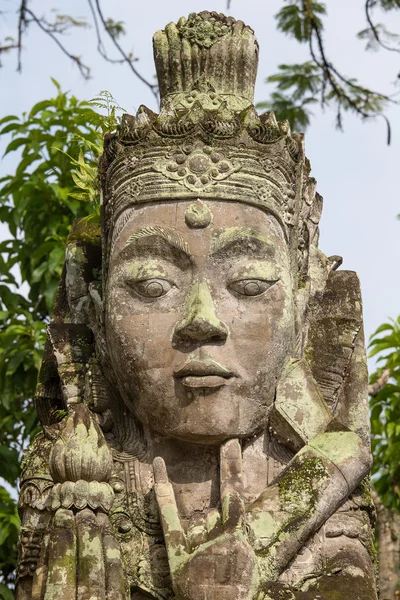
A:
208,140
207,51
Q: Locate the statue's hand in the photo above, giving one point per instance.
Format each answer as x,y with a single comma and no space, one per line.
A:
312,486
213,559
84,559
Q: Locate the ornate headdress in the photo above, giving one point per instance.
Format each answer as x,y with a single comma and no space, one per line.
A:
208,140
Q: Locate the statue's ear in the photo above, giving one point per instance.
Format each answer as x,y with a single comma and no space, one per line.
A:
335,350
83,267
329,384
314,270
69,346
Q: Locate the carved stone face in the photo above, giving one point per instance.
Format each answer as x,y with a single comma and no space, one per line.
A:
200,317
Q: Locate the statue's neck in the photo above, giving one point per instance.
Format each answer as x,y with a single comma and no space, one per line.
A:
193,470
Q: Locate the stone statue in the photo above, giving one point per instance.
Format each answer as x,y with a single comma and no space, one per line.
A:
203,391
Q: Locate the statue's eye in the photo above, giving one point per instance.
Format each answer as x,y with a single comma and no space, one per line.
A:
250,287
151,288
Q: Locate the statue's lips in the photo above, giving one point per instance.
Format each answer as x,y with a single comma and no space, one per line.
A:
204,374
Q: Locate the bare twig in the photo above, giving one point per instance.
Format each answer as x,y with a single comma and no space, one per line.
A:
21,25
100,46
27,16
388,128
8,47
333,76
153,88
375,388
84,69
375,30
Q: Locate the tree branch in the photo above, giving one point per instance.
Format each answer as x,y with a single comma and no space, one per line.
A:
375,388
8,47
84,69
21,25
374,29
100,46
59,27
153,88
331,74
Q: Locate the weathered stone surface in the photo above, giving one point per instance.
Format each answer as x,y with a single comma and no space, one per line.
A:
203,392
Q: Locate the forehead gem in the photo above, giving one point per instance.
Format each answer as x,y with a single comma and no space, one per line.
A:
198,215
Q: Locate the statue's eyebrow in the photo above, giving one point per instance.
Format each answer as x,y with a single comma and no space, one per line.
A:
156,240
241,240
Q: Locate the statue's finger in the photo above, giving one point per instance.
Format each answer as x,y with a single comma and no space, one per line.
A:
61,574
233,509
91,573
231,475
175,539
38,589
213,523
197,531
115,580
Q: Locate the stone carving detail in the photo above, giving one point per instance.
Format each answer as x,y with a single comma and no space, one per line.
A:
203,32
205,99
196,168
203,392
198,215
29,549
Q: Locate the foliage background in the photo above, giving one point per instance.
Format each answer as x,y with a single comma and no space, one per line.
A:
38,203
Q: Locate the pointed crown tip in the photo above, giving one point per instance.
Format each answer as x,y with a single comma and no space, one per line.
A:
206,49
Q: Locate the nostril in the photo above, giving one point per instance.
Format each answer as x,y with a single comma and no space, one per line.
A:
217,338
200,330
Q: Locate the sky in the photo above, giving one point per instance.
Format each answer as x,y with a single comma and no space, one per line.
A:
357,173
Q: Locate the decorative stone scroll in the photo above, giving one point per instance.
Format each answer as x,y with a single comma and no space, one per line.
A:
203,393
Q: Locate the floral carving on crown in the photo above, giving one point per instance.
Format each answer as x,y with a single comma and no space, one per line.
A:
266,196
196,167
205,97
204,32
134,188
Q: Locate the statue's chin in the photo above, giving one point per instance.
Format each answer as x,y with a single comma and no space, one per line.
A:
201,409
212,439
211,431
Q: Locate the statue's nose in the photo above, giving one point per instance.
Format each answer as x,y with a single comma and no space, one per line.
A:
200,323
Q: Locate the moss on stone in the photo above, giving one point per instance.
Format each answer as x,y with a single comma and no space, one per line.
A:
86,230
297,489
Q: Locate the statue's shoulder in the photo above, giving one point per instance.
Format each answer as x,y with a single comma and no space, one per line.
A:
36,480
35,462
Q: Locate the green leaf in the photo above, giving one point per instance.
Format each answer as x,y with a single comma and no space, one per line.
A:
40,106
15,144
9,467
56,83
286,109
296,20
14,330
9,118
10,127
5,592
